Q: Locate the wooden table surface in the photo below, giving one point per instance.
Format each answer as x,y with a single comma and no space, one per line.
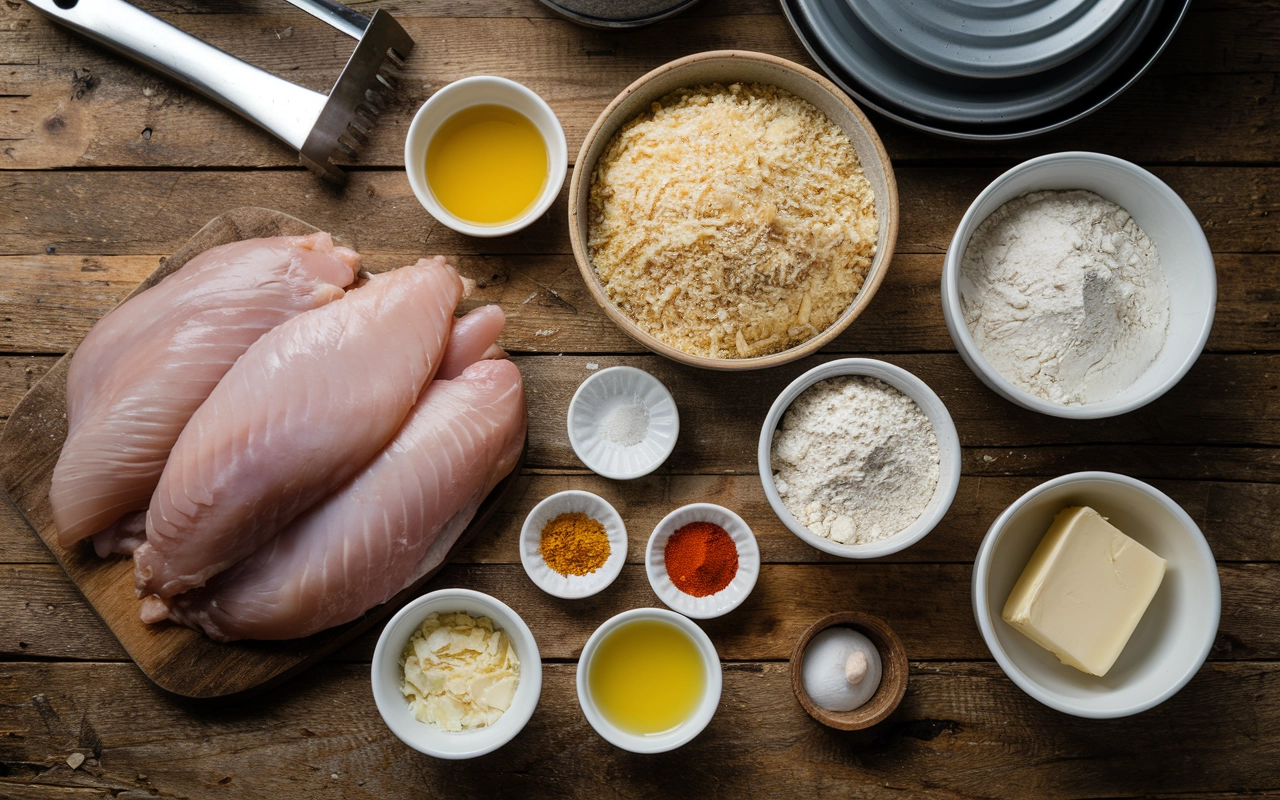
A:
109,168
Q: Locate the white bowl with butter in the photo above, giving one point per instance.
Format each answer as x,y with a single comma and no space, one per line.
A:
387,675
1173,637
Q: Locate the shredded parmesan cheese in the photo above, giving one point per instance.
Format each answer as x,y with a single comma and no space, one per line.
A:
731,222
459,672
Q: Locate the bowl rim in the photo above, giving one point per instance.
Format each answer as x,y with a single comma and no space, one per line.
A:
664,742
895,675
557,158
530,678
949,451
641,376
986,623
615,529
744,580
578,184
953,315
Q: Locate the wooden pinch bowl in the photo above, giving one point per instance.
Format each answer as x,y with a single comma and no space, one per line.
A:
893,681
728,67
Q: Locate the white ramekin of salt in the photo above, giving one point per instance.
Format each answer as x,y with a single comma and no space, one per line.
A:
623,423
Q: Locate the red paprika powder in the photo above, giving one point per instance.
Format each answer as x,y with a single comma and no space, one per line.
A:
701,558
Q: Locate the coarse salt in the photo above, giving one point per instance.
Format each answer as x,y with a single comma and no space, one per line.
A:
626,425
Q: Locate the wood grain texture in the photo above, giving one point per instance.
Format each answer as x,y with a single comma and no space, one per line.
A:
112,168
78,105
180,660
45,618
321,737
110,212
1235,517
1217,424
49,302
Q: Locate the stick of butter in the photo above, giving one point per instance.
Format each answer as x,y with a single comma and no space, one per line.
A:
1084,590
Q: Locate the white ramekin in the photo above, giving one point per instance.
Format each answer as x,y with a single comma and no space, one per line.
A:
572,587
474,91
662,742
387,675
1185,259
943,428
598,395
728,598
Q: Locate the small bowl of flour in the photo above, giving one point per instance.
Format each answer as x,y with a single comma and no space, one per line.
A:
1079,285
859,458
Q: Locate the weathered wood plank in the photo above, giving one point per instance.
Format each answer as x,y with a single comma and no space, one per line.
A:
49,302
1237,518
128,213
449,9
77,105
1206,428
17,375
322,737
44,615
19,544
1224,400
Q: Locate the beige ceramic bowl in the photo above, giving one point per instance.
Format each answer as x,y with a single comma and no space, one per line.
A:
726,67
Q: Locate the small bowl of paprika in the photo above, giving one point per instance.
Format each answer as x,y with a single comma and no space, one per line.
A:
702,560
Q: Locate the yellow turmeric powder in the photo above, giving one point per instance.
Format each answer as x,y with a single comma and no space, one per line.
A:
574,544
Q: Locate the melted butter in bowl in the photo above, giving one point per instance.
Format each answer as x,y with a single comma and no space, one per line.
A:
485,156
487,164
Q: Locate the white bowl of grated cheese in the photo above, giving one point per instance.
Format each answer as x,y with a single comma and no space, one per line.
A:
916,446
388,674
1026,316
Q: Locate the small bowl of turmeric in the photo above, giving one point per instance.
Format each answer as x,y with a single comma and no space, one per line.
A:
573,544
702,560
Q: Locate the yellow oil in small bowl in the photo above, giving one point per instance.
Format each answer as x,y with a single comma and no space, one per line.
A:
487,164
647,677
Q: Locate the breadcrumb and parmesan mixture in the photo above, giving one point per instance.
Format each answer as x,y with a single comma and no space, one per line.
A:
731,222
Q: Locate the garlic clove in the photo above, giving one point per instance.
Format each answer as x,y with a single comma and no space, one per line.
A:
855,667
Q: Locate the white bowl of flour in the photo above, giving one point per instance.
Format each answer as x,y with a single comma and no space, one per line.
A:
1079,285
859,458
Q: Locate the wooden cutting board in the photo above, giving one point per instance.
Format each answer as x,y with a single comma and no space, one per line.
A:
178,659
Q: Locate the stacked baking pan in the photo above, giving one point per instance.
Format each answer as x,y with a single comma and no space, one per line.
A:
985,69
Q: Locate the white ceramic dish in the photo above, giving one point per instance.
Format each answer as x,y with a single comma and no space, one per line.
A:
683,733
572,586
943,428
1170,643
387,673
728,598
474,91
1185,259
597,397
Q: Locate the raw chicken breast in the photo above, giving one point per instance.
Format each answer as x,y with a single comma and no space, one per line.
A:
145,367
305,408
391,524
122,536
474,337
